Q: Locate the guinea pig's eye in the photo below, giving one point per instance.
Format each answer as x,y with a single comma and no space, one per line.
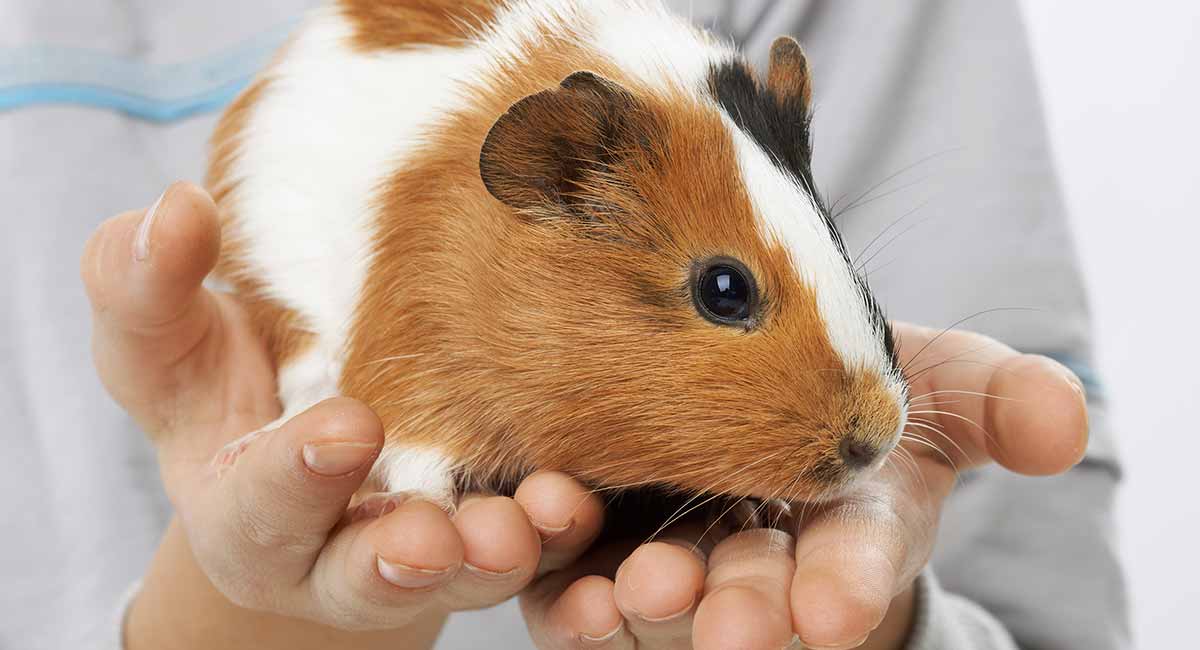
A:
724,292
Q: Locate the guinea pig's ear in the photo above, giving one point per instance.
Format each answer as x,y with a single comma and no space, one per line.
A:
547,143
787,76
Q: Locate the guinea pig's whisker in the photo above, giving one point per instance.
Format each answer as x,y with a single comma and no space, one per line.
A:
905,458
955,324
881,233
658,479
859,200
925,442
681,512
718,518
956,358
881,267
939,432
960,392
908,463
915,376
859,267
914,471
934,402
930,423
956,416
915,467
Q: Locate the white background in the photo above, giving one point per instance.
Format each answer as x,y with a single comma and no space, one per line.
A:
1121,84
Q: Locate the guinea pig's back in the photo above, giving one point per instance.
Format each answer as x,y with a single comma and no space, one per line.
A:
301,158
298,159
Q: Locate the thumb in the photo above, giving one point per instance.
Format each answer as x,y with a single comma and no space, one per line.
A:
153,320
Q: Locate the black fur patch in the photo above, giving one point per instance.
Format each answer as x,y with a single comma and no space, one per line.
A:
780,125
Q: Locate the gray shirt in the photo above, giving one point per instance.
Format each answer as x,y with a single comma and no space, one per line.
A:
929,135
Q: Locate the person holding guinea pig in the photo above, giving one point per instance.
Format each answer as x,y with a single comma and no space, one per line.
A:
117,542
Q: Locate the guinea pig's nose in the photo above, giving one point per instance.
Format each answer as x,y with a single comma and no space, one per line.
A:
856,453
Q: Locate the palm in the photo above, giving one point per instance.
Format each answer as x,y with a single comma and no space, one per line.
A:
236,396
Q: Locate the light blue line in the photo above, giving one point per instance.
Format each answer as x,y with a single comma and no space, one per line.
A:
143,108
1086,373
161,93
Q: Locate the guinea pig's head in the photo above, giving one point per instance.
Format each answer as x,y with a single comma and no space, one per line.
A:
677,299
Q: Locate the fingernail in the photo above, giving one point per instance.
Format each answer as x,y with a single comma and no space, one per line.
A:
488,573
141,239
587,638
668,617
846,646
336,458
1076,385
409,577
548,532
1069,376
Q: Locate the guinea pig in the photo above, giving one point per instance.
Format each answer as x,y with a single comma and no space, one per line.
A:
554,234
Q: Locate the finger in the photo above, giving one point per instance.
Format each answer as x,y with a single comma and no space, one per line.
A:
583,615
575,607
383,573
855,556
559,616
501,550
269,514
658,588
745,602
566,515
978,399
153,320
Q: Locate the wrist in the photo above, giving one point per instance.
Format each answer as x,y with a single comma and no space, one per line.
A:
178,608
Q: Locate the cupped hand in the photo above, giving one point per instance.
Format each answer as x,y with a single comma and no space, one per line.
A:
271,533
841,574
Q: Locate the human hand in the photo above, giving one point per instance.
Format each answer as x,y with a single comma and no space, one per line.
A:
269,541
844,579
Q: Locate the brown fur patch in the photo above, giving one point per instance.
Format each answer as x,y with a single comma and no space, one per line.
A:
787,74
280,328
550,338
399,24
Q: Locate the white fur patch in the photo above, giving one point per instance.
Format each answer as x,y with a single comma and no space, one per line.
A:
789,218
423,471
331,127
642,37
310,378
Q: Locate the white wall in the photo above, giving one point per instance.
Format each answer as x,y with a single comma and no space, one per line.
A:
1121,83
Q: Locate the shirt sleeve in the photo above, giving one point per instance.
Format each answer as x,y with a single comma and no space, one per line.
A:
116,632
944,620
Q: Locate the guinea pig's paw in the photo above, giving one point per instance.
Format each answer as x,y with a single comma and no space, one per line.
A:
379,504
229,454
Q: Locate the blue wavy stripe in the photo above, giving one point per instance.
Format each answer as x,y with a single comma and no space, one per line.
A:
1086,373
160,93
143,108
